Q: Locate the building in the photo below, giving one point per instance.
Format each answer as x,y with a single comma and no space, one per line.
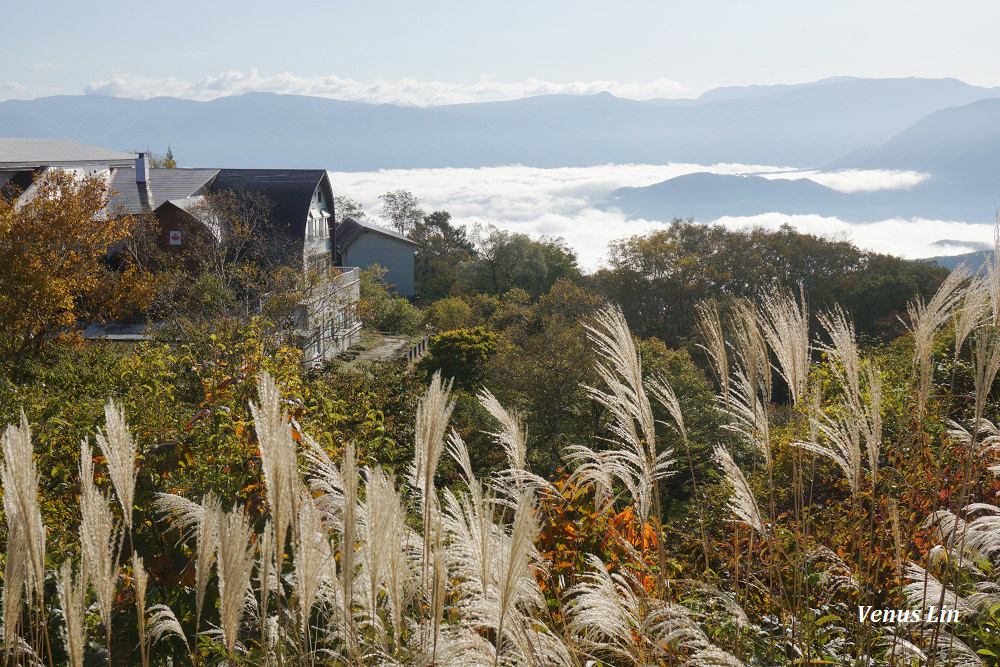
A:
301,212
360,243
300,233
23,160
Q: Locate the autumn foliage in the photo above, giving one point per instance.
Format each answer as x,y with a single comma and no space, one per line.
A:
54,268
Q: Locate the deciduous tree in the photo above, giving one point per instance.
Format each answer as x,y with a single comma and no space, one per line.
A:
54,269
401,209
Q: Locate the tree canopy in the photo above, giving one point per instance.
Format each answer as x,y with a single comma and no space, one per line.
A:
54,273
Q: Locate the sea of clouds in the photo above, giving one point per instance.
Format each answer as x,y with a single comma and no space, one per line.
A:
570,202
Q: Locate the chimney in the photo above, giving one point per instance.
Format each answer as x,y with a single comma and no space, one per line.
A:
142,169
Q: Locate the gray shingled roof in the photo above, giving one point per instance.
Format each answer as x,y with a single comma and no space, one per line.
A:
26,153
164,185
351,228
289,191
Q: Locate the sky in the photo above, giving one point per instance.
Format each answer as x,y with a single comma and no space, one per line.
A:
438,52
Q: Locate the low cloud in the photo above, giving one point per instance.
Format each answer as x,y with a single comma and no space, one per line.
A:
858,180
376,91
911,238
568,202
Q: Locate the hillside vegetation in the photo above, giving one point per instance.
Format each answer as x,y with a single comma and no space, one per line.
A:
715,451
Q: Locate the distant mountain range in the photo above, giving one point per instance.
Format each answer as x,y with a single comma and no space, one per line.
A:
807,125
959,147
943,127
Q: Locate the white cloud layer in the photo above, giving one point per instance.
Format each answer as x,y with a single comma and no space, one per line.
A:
567,202
377,91
857,180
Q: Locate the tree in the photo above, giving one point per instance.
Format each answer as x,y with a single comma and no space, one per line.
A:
401,209
658,278
158,161
345,207
443,247
460,355
380,310
54,273
507,260
543,361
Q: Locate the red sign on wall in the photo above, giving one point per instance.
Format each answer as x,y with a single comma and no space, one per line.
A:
175,237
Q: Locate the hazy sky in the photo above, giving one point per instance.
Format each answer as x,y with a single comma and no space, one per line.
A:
434,52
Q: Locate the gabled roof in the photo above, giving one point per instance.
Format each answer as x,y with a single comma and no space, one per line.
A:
351,228
27,153
164,185
289,191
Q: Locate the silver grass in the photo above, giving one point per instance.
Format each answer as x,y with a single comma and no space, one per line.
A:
163,623
710,327
750,348
325,480
15,581
993,274
748,413
897,538
665,394
923,590
901,649
975,310
742,502
621,370
235,558
72,593
950,650
436,588
312,556
348,540
277,455
203,521
524,532
610,614
433,412
925,320
637,464
182,513
119,452
513,438
459,452
835,574
474,544
710,603
872,417
713,656
206,545
99,537
267,579
384,548
843,350
512,435
843,445
977,538
986,363
19,477
140,579
595,469
784,321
